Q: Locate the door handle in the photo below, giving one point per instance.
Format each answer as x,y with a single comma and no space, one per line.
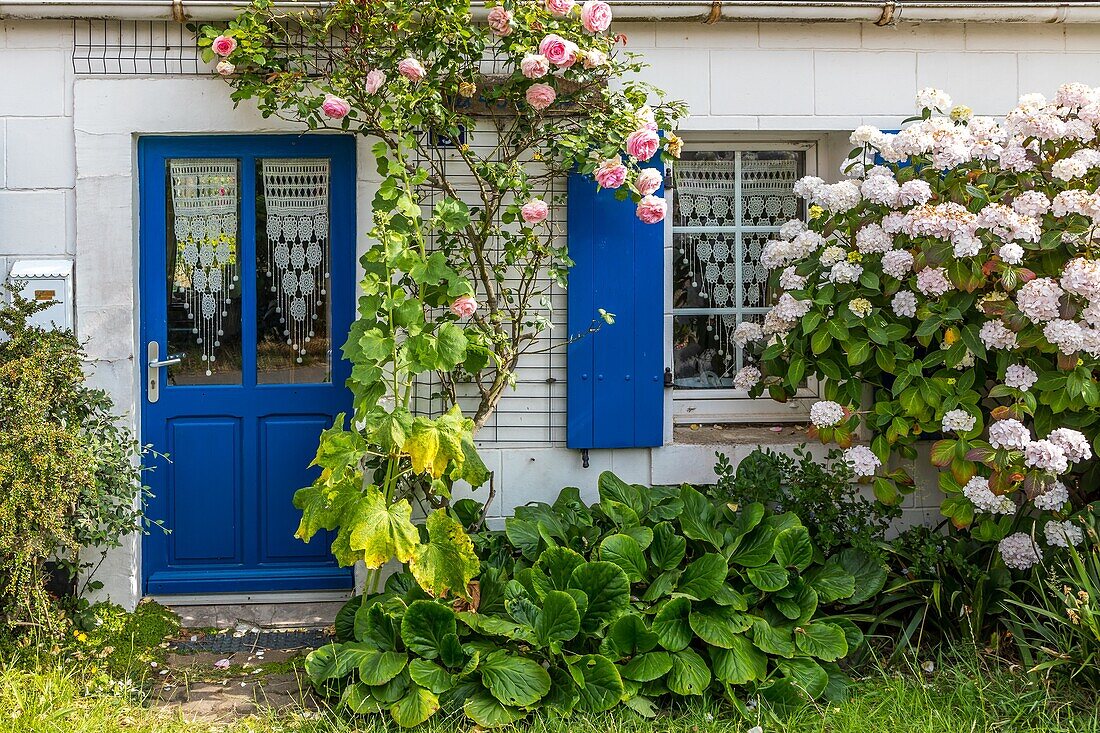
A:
153,366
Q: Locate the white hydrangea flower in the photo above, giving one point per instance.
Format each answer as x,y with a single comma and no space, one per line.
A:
904,304
1068,336
747,378
1011,253
996,335
1063,534
825,414
933,281
1031,203
833,254
1016,158
807,187
792,228
790,309
1009,434
860,307
791,280
1046,456
959,421
977,491
1054,498
1067,169
1082,277
864,135
1019,551
914,192
1073,443
845,272
861,460
934,99
966,245
746,333
1020,376
880,190
839,197
897,263
872,239
1039,299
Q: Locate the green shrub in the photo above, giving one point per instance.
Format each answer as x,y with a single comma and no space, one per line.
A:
824,495
69,476
650,594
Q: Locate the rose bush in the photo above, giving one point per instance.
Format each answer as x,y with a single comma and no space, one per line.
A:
482,120
950,287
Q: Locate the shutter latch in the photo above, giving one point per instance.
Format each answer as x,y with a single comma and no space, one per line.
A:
584,458
668,377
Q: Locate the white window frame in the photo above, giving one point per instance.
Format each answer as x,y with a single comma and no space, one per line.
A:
733,405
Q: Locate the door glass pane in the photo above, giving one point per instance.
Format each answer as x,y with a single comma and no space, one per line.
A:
292,267
203,278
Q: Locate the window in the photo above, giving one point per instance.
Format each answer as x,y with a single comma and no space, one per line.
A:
727,202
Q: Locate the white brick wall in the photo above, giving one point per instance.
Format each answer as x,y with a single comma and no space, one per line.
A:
67,184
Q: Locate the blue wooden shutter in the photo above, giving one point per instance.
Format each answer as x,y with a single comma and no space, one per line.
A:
616,375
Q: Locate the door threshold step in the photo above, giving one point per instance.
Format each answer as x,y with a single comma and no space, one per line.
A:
249,618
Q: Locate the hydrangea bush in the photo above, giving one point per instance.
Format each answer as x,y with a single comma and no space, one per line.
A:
480,117
949,287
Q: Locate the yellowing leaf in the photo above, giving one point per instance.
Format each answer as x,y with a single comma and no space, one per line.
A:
447,561
380,530
323,504
432,444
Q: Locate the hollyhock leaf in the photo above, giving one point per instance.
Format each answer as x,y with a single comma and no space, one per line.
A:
447,562
382,531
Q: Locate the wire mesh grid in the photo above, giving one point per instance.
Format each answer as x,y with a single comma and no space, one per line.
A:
533,412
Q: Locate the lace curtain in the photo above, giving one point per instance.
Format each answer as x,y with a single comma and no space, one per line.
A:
205,219
296,193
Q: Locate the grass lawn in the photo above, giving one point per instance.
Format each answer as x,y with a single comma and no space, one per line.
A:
961,695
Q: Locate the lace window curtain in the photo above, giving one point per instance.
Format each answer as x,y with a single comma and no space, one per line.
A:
727,206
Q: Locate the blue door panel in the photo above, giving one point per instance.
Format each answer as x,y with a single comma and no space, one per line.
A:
205,490
287,446
237,453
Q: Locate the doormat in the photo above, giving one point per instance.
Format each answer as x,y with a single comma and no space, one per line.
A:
254,641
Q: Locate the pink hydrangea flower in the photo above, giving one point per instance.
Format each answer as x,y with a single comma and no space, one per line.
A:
464,306
335,107
534,211
411,69
500,21
642,144
651,209
224,45
596,16
541,96
558,51
375,79
649,180
610,173
560,8
534,65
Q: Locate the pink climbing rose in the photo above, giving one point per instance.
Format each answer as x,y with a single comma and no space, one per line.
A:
224,45
560,8
225,68
651,209
596,16
500,21
649,180
558,51
464,306
375,79
534,65
610,173
642,144
541,96
534,211
411,69
335,107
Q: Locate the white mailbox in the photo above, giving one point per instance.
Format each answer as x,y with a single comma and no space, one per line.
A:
47,280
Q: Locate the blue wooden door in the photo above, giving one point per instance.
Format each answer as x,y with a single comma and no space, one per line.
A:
247,277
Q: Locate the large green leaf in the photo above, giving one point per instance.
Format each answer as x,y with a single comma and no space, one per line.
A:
357,698
553,569
488,712
769,577
430,675
742,662
625,552
564,693
608,591
689,675
756,548
378,668
602,688
776,640
558,620
718,625
415,707
424,626
514,681
667,549
614,489
806,674
380,530
647,667
630,636
671,624
331,661
698,519
448,561
793,548
822,640
703,576
662,585
831,581
524,535
375,627
869,573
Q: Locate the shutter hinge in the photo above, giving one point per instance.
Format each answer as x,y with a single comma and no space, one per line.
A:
668,377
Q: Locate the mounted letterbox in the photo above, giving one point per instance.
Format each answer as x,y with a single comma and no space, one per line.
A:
47,281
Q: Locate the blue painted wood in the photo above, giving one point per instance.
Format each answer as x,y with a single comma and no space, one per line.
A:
615,396
237,453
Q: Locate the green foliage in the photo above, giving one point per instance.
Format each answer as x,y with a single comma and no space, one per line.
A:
69,475
823,494
649,595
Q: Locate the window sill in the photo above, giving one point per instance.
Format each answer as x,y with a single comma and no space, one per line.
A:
725,434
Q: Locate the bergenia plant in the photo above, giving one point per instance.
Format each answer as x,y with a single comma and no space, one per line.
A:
481,116
950,287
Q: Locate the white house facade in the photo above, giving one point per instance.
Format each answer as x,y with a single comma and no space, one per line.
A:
92,93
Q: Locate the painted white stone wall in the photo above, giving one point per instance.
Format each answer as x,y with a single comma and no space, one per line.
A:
67,183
